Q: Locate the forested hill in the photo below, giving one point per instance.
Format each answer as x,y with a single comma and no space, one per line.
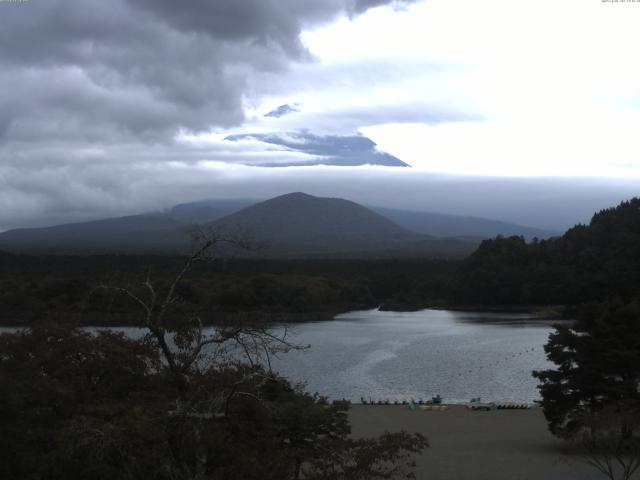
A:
588,263
301,217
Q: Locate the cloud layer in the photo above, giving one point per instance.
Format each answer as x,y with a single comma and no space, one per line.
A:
94,70
116,107
90,191
92,93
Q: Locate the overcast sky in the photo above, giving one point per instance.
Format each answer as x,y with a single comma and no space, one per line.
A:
516,110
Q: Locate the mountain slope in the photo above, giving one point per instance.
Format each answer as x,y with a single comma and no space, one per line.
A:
156,232
206,211
426,223
302,217
294,225
444,225
152,232
301,225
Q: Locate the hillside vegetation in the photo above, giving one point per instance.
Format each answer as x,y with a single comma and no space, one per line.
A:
588,263
594,262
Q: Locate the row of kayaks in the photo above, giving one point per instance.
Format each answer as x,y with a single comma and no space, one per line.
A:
514,406
475,404
386,401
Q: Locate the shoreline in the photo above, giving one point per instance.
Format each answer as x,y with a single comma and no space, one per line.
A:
552,312
544,312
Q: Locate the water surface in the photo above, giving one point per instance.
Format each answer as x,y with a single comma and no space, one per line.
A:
459,355
401,355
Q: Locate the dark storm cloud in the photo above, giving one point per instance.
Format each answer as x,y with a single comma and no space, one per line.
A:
93,93
5,122
261,21
140,67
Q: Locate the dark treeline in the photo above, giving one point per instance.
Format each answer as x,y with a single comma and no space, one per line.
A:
35,286
178,418
588,263
591,396
594,262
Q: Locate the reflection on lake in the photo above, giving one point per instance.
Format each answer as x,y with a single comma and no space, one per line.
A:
458,355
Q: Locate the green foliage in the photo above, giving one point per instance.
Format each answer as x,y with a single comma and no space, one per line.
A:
55,381
104,406
34,287
597,366
588,263
183,402
269,291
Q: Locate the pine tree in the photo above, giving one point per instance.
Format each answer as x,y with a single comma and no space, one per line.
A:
598,366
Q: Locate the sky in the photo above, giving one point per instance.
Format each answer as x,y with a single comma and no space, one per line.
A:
508,109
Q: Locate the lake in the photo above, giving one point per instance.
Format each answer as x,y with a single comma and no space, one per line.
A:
396,355
399,355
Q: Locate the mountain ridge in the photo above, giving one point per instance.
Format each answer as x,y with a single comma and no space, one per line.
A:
299,215
450,225
299,223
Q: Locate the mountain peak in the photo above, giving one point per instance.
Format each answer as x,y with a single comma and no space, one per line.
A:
294,196
301,216
351,150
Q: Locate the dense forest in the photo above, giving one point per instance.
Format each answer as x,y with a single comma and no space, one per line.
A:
588,263
35,287
591,262
178,419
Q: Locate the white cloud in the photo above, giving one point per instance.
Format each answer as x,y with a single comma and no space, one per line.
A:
554,86
91,101
54,194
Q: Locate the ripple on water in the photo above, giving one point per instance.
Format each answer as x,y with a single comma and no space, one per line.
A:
420,354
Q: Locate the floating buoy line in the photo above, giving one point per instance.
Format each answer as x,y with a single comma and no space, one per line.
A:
501,362
501,405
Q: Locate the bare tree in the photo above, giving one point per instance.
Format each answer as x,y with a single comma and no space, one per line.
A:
181,336
606,445
223,380
186,345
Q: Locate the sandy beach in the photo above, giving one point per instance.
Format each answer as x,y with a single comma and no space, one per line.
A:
466,444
